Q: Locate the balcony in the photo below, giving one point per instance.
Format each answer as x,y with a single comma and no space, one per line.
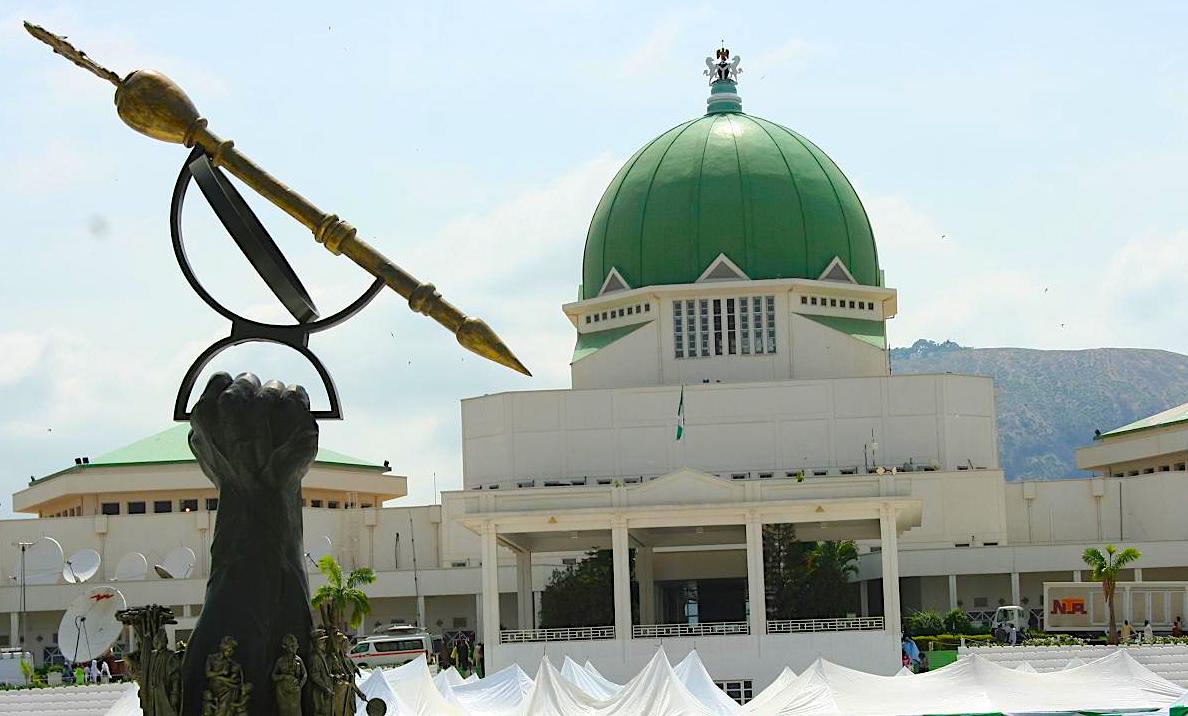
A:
795,626
662,631
524,636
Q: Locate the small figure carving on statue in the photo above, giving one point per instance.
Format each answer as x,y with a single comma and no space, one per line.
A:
321,677
155,668
164,678
288,676
345,672
226,693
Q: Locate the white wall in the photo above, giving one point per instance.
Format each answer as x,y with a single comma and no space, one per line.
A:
946,420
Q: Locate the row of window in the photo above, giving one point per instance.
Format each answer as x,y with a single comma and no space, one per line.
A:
836,303
1178,467
707,327
612,314
191,505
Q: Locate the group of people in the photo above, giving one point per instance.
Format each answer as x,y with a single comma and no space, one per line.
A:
462,654
911,656
97,672
1146,635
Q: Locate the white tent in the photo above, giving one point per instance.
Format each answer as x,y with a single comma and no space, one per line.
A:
693,675
905,671
499,694
554,695
415,692
767,700
590,682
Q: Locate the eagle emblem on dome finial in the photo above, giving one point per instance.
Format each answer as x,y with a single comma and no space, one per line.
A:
721,68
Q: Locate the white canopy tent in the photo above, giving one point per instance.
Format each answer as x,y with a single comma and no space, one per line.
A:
971,685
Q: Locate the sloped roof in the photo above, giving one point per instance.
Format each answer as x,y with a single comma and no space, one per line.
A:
1171,416
172,446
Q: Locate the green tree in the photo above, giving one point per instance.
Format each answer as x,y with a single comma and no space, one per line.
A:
956,621
928,622
340,593
807,580
582,594
1106,568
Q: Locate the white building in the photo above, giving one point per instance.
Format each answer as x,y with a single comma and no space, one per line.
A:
731,294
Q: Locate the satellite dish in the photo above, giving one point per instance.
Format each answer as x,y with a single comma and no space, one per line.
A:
133,567
318,548
89,627
178,564
43,562
81,566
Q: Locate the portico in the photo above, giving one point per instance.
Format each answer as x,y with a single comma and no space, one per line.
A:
686,514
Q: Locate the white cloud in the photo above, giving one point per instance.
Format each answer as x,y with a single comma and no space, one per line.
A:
19,354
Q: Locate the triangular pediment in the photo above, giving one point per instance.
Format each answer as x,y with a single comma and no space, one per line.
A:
837,271
614,282
723,269
684,487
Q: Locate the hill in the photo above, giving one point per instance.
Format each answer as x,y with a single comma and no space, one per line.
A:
1050,402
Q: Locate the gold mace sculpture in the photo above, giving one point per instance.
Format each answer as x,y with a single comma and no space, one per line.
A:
154,105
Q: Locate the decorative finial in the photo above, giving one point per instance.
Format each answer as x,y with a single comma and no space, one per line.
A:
723,72
721,68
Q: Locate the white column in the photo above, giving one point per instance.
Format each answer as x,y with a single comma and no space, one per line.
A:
952,591
645,575
864,598
537,601
622,575
478,612
1016,592
490,610
889,543
1138,574
14,628
1076,575
524,589
421,612
756,590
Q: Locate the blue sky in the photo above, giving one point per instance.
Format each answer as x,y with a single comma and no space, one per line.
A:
1022,165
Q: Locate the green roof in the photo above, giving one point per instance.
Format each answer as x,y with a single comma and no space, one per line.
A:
172,446
727,183
1171,416
872,332
590,343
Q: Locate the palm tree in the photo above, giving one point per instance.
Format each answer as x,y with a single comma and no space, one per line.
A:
1105,570
334,597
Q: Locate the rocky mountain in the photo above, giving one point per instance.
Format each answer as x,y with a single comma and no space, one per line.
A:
1050,402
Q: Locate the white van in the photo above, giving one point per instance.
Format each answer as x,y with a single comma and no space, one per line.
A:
395,646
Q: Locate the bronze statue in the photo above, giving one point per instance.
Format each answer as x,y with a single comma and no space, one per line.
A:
345,672
321,678
288,676
154,667
226,692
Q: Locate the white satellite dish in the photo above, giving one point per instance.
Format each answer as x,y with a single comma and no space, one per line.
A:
133,567
43,562
318,548
90,627
178,564
81,566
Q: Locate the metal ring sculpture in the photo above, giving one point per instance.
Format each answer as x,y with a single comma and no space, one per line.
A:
266,258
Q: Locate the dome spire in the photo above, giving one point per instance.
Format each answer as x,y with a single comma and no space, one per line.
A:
723,73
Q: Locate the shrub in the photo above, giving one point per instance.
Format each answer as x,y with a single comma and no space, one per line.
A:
925,623
957,621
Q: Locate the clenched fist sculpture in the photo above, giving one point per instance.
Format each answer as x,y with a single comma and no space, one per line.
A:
255,442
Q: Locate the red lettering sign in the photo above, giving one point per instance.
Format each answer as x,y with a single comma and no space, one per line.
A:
1068,605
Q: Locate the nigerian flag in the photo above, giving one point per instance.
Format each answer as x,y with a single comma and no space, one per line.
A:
680,431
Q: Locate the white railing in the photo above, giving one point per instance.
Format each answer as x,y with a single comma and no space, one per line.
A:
660,631
520,636
791,626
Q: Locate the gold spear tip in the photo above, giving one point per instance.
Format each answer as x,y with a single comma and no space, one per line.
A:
476,336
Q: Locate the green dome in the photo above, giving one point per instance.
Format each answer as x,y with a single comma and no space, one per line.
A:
727,183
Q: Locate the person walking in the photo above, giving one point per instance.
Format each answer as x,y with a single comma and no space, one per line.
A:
1177,628
1012,635
1148,632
